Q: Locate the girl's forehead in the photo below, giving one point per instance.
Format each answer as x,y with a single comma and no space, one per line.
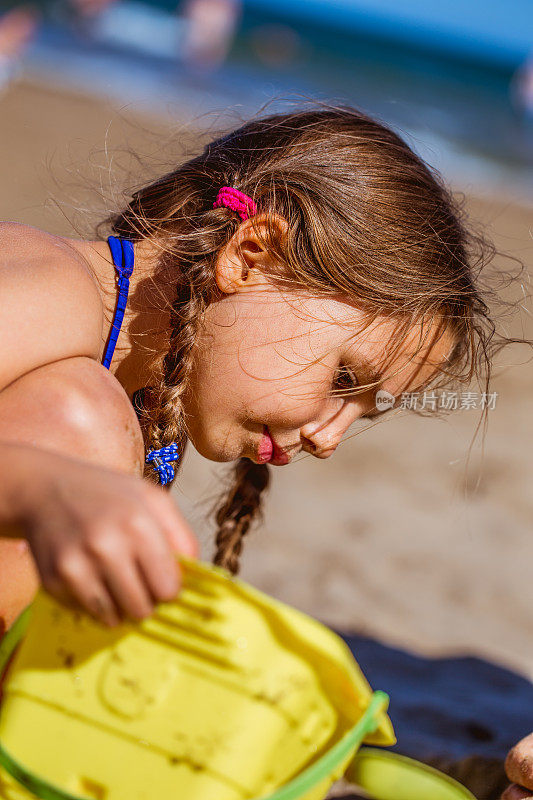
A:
334,328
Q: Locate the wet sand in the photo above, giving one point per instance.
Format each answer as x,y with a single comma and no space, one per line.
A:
387,540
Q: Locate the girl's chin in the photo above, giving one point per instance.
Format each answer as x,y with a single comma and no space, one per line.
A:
212,452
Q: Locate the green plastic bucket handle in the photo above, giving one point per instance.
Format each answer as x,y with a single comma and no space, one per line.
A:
12,637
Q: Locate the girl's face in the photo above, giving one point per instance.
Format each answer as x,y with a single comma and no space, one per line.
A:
272,358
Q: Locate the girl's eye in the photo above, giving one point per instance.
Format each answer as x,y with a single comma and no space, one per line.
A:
345,379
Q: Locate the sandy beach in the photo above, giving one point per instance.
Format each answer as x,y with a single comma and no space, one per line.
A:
387,541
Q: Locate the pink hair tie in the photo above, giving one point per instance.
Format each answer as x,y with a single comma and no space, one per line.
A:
236,200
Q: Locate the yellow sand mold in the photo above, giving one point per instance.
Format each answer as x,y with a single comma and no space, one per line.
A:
223,694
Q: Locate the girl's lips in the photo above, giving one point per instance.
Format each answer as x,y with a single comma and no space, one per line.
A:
266,447
268,451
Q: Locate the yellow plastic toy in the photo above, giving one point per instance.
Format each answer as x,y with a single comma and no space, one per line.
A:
222,694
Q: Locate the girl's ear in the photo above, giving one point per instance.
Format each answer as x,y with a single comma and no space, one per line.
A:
246,261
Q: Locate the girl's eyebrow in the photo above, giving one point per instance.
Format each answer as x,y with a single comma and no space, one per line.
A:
370,375
362,367
369,371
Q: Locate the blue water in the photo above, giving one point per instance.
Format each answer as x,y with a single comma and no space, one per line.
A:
443,84
494,33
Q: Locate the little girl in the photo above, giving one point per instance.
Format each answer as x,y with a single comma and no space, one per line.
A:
267,289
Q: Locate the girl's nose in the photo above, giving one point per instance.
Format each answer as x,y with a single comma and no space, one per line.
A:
317,446
321,437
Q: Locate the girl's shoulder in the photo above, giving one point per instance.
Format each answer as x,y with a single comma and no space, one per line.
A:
51,304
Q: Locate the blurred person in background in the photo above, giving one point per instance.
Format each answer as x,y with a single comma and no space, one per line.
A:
90,8
210,26
16,31
522,90
19,25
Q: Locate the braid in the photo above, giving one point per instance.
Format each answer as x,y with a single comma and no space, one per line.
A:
164,421
236,513
159,407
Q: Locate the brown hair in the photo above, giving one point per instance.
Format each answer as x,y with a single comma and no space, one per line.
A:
367,219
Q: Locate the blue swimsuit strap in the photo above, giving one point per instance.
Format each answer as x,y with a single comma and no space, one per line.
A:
123,259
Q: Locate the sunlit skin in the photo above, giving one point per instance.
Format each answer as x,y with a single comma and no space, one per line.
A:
268,356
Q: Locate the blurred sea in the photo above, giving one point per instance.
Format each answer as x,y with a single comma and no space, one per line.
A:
443,77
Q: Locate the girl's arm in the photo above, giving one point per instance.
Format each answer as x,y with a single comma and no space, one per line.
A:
17,461
99,536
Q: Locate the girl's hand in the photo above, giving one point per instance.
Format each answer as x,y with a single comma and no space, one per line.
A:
519,768
104,539
71,460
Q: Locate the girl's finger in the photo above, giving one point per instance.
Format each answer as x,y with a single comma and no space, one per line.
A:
157,563
127,588
56,586
87,587
178,533
161,575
